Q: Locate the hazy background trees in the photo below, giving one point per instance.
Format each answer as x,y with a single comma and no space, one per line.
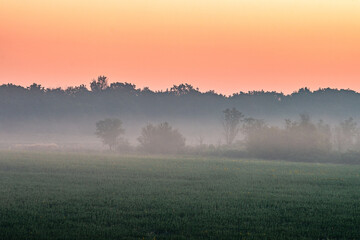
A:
109,131
66,117
231,124
347,135
161,138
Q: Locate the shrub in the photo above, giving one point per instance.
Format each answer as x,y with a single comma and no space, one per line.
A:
161,138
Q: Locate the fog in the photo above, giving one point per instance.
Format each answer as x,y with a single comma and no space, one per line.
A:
306,124
80,132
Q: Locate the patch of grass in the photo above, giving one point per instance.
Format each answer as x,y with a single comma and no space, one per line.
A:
79,196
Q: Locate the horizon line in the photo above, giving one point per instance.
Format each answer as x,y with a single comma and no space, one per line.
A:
168,89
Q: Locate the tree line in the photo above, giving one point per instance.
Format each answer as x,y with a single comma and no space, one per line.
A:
245,130
301,139
161,138
183,100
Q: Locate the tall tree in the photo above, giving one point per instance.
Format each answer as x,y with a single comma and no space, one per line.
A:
346,134
231,124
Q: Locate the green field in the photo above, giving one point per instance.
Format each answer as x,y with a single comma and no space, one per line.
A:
78,196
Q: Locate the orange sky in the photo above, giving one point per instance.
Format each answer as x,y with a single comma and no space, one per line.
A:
227,45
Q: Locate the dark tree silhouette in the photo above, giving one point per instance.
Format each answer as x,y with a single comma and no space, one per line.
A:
73,91
161,139
109,130
100,85
36,88
231,124
183,89
181,101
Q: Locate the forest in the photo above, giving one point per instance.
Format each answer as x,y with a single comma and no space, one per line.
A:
184,100
303,125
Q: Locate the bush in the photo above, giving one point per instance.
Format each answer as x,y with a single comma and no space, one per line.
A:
161,139
298,140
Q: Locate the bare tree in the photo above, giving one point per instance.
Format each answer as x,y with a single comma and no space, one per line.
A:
231,124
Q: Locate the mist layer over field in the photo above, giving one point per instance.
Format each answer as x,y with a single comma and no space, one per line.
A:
317,122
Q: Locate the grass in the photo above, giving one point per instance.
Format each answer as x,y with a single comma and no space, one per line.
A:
79,196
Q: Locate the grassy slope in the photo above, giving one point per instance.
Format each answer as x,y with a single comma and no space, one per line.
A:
74,196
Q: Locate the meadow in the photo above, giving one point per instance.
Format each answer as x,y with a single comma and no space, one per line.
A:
103,196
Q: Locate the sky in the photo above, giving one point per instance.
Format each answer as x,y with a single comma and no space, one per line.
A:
222,45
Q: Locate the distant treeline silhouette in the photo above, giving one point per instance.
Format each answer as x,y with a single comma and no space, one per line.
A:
253,124
296,140
180,100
